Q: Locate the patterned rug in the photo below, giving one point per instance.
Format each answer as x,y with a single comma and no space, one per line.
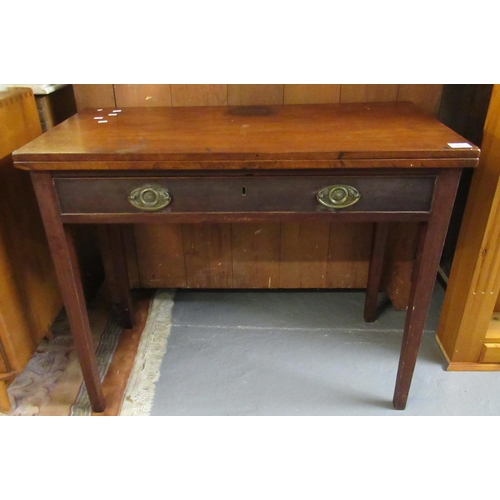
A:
128,361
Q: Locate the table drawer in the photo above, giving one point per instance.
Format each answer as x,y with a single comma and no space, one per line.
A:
241,194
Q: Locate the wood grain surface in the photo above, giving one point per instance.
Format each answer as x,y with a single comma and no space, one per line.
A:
395,130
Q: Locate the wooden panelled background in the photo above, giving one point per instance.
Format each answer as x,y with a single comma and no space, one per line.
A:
292,255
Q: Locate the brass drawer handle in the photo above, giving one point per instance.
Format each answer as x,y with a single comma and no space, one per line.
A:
340,196
150,197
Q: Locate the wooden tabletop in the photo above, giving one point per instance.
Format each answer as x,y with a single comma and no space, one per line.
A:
339,132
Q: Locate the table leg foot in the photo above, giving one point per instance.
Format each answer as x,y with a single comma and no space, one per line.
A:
399,401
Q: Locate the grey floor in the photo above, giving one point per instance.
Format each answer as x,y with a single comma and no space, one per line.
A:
305,353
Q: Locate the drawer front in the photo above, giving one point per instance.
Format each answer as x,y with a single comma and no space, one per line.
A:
296,194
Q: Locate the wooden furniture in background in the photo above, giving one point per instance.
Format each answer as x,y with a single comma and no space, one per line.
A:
463,108
290,164
55,107
56,103
468,331
29,293
263,254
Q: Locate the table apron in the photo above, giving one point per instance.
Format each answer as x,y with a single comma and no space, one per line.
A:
232,199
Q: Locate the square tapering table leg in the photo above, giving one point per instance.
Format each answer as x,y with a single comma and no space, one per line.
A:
429,248
61,242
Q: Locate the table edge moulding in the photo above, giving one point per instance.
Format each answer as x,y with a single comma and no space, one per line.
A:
377,162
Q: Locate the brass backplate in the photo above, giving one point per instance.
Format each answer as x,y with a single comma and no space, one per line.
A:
150,197
338,196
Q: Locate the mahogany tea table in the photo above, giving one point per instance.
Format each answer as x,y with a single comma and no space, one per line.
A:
378,162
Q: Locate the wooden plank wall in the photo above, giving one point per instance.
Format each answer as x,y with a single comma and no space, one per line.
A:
319,255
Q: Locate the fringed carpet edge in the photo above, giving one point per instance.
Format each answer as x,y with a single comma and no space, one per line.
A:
139,394
42,387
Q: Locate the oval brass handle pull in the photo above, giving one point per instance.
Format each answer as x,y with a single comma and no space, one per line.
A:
340,196
150,197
